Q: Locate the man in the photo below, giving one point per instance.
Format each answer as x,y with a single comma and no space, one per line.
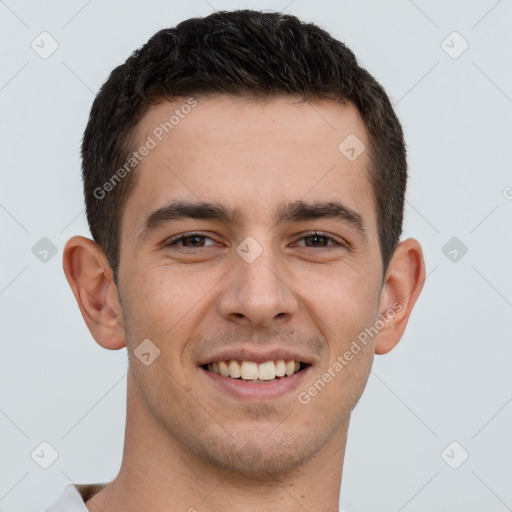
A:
244,181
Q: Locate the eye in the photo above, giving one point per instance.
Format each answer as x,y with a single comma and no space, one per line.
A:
198,240
320,240
189,240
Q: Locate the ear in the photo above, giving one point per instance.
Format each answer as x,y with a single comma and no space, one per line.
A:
91,279
402,285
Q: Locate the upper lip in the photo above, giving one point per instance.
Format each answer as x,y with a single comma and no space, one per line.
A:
256,355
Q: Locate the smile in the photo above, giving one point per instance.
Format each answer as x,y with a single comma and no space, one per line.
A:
256,381
251,371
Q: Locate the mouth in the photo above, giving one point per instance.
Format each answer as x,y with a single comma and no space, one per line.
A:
257,373
252,374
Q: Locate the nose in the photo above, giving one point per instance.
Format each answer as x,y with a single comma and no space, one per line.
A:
258,293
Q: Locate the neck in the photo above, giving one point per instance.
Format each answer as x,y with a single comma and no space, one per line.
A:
159,474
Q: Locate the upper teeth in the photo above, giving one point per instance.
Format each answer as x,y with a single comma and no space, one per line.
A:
249,370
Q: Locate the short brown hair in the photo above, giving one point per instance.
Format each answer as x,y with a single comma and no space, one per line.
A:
247,53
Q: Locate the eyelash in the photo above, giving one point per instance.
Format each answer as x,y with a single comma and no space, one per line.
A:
174,242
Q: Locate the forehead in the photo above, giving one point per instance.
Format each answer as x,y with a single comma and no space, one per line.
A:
251,154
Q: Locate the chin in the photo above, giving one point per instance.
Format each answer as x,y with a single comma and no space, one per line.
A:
252,455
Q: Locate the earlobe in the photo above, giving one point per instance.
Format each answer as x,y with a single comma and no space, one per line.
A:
402,285
90,278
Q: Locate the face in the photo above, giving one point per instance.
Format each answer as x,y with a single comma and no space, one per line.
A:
271,258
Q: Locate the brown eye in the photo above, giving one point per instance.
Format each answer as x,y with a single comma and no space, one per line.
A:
194,241
319,240
191,240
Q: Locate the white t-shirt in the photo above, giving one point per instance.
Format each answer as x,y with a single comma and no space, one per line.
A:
74,497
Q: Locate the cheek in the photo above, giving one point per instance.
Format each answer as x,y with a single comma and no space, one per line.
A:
159,308
346,305
166,305
149,309
159,298
346,301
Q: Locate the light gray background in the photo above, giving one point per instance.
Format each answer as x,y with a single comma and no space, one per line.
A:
448,380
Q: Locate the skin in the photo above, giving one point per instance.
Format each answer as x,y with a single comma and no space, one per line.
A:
188,445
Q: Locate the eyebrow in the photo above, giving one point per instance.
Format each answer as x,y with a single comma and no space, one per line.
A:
297,211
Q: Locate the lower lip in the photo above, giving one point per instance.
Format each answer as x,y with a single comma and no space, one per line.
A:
257,390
